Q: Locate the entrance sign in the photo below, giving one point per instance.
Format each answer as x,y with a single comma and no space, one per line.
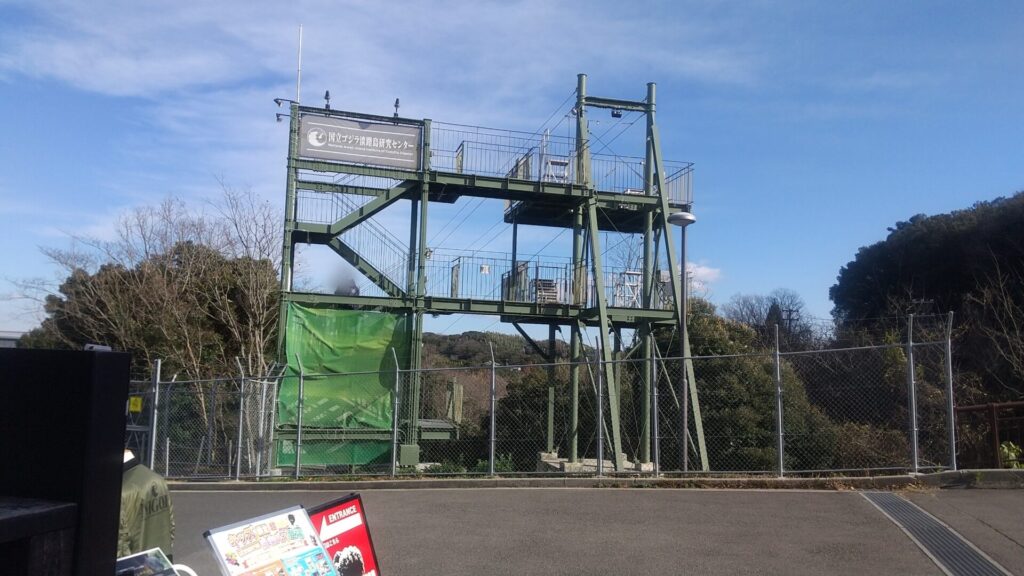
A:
346,536
360,142
277,543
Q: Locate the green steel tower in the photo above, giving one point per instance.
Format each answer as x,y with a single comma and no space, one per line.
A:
345,168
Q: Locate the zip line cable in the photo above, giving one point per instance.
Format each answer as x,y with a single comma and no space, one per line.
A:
479,203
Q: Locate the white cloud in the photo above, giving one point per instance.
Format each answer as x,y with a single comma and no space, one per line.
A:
503,51
200,78
124,48
206,73
889,81
702,276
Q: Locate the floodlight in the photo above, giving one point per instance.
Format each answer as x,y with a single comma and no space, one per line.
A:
683,219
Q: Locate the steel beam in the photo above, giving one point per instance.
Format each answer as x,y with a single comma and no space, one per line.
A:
616,104
336,168
605,327
332,188
523,311
361,116
372,207
533,344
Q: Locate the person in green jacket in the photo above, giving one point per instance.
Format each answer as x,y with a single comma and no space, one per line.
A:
147,517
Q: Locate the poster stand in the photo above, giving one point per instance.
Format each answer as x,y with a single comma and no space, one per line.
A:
280,543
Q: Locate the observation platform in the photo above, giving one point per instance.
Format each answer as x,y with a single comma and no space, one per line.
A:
534,173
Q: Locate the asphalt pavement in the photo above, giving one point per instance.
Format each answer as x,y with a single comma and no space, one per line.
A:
569,531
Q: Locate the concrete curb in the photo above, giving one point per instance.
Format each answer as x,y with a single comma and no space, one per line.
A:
764,483
991,479
987,479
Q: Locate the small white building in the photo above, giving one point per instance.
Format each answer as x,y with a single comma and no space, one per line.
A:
9,339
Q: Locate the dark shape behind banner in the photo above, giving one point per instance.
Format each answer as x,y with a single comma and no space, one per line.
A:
62,427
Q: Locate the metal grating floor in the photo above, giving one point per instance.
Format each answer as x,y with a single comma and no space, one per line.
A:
949,550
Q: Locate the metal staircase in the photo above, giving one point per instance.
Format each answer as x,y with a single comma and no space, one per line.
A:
369,247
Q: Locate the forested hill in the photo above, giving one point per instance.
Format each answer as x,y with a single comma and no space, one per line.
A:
472,349
968,261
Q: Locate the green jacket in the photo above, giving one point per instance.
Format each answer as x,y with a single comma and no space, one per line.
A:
147,518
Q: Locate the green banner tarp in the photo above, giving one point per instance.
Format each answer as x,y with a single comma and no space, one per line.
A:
348,367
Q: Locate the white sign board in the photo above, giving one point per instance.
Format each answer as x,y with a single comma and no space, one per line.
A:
359,142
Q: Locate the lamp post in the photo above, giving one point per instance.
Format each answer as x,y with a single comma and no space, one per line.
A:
683,219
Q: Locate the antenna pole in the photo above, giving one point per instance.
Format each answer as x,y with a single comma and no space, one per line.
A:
298,74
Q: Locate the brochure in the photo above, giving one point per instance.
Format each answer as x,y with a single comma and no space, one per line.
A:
281,543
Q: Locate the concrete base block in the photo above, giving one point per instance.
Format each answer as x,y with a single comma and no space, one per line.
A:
550,462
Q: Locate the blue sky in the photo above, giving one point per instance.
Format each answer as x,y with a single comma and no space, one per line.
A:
813,126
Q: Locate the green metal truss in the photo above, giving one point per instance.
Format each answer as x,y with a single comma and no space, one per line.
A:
576,205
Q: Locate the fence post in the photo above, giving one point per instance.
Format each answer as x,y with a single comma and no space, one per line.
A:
950,401
261,439
394,416
155,413
655,433
298,422
241,424
600,408
211,412
912,394
993,419
167,456
493,431
779,430
272,417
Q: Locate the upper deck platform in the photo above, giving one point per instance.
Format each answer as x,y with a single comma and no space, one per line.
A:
536,173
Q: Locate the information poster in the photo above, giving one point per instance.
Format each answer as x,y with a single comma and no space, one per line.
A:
342,527
278,544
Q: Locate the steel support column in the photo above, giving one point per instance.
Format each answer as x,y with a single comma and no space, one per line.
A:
287,250
606,366
551,388
645,329
575,357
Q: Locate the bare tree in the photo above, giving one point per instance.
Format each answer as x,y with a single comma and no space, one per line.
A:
252,238
999,299
191,289
782,307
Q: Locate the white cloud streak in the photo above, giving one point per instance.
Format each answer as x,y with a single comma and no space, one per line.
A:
502,50
703,274
205,74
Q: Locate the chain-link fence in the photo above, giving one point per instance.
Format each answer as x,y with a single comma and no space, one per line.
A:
206,429
869,409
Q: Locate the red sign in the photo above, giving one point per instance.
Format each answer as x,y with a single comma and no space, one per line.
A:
345,535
